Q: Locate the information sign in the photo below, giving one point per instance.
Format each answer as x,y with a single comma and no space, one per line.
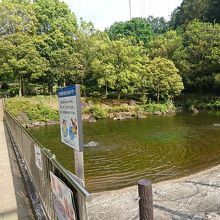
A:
70,116
62,198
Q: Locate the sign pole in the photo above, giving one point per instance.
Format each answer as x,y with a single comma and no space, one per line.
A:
79,157
79,165
79,170
72,133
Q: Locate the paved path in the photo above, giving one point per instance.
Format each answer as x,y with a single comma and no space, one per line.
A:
194,197
14,202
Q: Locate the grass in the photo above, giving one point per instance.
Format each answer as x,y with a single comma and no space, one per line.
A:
153,107
45,108
33,108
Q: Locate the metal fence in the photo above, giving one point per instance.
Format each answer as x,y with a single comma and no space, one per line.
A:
26,143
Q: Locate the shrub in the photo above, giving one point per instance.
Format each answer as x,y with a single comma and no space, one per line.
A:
98,111
35,112
42,113
158,107
214,105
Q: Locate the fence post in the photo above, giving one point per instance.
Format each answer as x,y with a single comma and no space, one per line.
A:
146,200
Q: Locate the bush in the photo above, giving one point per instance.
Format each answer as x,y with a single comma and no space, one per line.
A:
42,113
214,105
98,111
35,112
13,91
16,106
158,107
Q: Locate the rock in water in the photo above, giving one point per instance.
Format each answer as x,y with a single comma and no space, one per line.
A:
216,125
157,113
91,119
195,111
140,115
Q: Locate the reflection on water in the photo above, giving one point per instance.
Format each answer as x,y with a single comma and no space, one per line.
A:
157,148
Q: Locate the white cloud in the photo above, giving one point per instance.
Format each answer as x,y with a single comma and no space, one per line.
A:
104,13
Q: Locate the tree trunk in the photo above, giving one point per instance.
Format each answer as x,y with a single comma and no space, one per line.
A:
119,95
20,86
106,91
44,88
83,88
143,96
50,88
158,96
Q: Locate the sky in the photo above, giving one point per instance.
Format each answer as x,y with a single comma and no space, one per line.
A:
103,13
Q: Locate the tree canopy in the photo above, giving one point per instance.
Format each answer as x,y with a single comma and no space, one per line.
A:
137,28
202,10
41,44
158,24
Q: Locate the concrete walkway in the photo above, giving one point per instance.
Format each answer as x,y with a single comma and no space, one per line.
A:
14,202
194,197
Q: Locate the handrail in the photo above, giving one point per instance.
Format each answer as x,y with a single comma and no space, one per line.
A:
83,192
65,173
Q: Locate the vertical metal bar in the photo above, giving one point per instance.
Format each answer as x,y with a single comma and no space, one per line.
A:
79,117
130,8
82,208
79,157
79,169
79,165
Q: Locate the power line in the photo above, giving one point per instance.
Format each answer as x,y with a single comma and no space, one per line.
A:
141,8
130,8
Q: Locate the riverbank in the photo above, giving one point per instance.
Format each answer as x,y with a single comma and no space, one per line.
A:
43,110
192,197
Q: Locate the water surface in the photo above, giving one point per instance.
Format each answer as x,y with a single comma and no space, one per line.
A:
156,148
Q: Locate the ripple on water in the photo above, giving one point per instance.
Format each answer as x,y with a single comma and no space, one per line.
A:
156,148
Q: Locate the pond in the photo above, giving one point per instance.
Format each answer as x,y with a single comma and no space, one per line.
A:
156,148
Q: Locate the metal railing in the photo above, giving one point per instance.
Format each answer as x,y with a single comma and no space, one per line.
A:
25,143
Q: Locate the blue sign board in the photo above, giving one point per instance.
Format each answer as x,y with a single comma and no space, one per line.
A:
70,116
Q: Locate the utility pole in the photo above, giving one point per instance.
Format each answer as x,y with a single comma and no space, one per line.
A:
130,8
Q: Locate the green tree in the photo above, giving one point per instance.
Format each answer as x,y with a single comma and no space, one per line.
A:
104,71
16,18
85,48
56,49
6,52
170,46
144,77
158,24
23,60
63,63
202,10
127,62
202,42
213,13
164,80
116,65
137,28
54,15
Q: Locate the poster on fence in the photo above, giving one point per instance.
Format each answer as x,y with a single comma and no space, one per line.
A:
70,116
62,199
38,157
